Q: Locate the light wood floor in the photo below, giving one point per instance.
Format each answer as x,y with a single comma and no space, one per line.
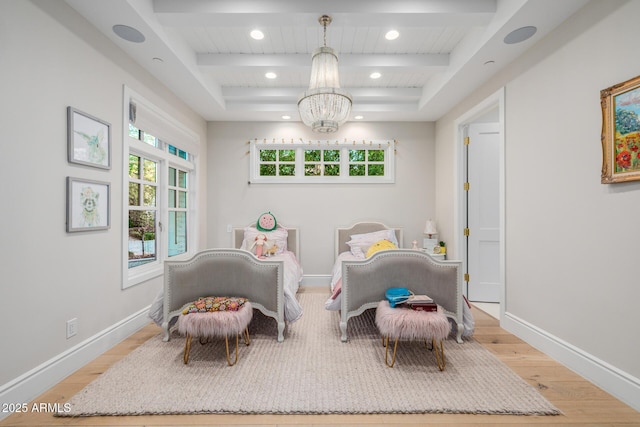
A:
581,402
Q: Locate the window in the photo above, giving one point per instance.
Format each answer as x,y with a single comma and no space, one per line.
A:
159,215
178,194
322,162
277,162
143,210
366,162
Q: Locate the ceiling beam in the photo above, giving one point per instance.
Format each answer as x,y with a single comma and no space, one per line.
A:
288,107
360,93
230,60
241,20
327,6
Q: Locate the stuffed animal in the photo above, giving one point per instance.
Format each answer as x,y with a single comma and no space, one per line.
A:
266,222
263,246
271,251
259,243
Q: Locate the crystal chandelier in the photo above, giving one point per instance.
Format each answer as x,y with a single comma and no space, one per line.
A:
324,107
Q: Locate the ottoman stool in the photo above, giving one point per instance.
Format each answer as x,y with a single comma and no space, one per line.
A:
407,324
213,317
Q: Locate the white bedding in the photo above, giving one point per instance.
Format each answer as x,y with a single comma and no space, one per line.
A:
292,276
334,301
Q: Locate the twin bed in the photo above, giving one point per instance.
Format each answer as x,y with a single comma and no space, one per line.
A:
358,282
270,284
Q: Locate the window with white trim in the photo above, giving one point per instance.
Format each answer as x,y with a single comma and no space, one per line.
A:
159,219
322,162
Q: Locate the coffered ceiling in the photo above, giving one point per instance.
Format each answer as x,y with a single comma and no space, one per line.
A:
202,49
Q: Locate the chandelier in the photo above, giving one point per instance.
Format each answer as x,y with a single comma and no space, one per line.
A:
324,107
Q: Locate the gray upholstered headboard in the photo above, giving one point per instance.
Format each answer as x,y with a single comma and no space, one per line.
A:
343,235
293,242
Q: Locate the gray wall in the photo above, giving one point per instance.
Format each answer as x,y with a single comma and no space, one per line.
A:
318,209
571,242
51,58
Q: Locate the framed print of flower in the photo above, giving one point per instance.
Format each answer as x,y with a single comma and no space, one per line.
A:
621,132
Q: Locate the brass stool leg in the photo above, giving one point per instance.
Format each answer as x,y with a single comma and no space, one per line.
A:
245,335
440,360
226,341
386,353
187,349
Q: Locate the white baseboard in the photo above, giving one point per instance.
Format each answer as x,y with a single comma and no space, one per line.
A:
619,384
316,280
33,383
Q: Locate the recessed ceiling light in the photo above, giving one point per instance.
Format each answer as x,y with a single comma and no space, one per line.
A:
375,75
286,117
490,62
520,35
271,75
392,35
257,35
128,33
358,117
156,59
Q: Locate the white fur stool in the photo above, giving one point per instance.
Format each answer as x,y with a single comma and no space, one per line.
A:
407,324
212,324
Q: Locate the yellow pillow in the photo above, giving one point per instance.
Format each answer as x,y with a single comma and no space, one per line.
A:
380,245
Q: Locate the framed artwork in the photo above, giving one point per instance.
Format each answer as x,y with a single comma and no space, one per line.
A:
88,205
621,132
88,139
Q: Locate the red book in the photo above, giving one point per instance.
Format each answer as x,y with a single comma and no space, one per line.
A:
424,307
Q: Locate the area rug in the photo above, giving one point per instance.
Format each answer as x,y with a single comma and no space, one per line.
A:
311,372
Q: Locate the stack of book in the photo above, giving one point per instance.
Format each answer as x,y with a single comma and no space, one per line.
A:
421,303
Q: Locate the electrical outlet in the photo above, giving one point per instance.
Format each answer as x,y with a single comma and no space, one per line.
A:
72,327
229,228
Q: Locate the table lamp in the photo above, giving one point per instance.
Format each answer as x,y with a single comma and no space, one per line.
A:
430,241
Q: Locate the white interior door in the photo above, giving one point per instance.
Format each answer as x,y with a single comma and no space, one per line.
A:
483,212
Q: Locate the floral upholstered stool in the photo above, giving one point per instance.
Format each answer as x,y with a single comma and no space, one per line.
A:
214,317
407,324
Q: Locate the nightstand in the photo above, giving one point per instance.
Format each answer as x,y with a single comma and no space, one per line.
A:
439,257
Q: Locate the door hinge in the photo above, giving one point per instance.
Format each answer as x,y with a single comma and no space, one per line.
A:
466,232
466,140
466,186
466,277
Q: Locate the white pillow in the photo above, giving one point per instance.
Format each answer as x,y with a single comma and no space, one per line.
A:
277,236
360,243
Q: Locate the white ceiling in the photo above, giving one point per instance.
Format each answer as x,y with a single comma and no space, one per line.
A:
202,51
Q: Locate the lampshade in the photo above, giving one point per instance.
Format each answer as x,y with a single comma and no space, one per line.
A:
324,106
430,228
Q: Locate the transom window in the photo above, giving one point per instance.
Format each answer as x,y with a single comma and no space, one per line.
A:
322,162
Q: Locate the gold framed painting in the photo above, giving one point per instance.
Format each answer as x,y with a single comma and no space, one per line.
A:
621,132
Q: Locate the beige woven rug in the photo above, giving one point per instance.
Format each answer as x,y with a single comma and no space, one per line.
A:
311,372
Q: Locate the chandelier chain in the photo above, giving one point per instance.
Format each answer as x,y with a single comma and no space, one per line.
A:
325,34
325,20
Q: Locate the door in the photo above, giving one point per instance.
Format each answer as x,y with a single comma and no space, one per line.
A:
483,212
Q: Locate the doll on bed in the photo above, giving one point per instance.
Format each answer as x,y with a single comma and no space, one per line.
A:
266,222
264,248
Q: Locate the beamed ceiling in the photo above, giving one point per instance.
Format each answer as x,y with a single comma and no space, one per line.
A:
203,52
